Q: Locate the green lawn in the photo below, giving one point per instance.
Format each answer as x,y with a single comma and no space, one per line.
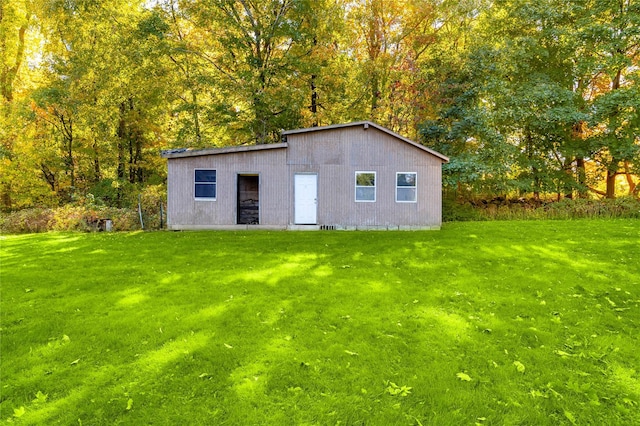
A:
490,323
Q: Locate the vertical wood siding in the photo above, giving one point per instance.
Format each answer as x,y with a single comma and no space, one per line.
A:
185,211
336,154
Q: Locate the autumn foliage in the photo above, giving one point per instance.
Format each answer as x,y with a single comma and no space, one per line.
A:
535,100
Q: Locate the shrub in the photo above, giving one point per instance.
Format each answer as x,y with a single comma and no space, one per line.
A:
624,207
521,209
151,197
83,218
26,221
104,192
72,218
620,208
454,211
123,219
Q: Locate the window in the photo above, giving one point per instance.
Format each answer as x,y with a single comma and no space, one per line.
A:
406,187
366,186
205,184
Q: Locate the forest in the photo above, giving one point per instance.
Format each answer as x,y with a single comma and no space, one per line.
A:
529,99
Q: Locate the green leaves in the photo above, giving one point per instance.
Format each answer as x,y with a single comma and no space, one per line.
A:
395,390
569,415
19,412
41,398
464,377
464,285
538,93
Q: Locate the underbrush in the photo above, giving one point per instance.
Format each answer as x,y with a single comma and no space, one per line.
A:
76,218
521,209
86,217
89,212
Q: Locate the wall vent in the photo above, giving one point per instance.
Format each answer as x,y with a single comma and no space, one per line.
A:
327,227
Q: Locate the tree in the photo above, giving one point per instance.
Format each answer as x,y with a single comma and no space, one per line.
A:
102,94
15,18
610,37
388,41
255,49
554,80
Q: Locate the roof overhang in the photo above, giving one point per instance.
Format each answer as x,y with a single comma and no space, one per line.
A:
182,153
365,125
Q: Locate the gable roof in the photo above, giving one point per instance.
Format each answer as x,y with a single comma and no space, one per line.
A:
181,153
366,125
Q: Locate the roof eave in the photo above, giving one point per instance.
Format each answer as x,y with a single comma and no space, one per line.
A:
219,151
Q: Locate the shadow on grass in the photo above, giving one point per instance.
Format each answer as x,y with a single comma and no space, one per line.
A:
291,328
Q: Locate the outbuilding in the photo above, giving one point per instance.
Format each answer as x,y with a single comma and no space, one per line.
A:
347,176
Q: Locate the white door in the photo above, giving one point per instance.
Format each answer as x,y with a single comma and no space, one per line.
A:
306,199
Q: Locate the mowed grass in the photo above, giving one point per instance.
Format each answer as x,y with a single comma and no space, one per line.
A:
529,323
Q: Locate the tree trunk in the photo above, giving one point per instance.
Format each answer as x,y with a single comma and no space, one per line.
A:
568,193
611,180
67,135
6,197
612,170
130,143
97,173
314,93
196,119
314,101
9,75
534,170
122,135
375,92
137,157
49,176
131,162
633,186
582,177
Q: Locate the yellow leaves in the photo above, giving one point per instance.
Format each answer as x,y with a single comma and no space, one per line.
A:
395,390
563,354
464,377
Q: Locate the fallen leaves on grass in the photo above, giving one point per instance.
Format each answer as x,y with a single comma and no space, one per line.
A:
519,366
19,412
464,377
395,390
569,415
563,354
41,398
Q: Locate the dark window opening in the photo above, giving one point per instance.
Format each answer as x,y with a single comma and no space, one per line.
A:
205,184
248,200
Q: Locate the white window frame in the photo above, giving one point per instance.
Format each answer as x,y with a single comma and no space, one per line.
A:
195,182
415,187
375,186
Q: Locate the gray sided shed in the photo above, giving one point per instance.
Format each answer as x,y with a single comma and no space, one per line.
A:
348,176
